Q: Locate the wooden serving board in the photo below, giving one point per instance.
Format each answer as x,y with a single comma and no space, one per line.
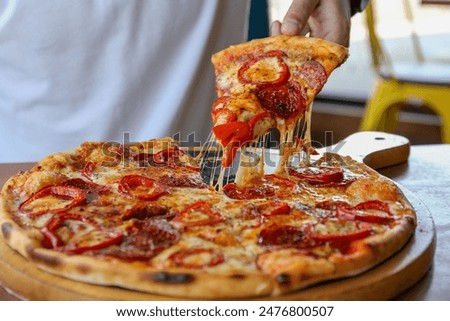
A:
383,282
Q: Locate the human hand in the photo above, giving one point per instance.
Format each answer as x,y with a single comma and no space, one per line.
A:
326,19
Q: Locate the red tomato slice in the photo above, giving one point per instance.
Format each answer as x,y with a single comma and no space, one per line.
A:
169,157
349,231
229,154
53,241
274,208
196,258
76,196
246,72
222,116
279,180
317,175
88,170
237,131
371,211
220,103
198,214
140,187
260,124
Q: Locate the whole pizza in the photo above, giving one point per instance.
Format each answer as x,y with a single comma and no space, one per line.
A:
143,217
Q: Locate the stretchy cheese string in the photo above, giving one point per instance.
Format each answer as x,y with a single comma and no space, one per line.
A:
295,139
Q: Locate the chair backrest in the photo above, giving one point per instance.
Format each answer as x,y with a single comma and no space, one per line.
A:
380,57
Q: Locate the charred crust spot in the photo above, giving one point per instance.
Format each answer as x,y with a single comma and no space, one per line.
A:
410,220
43,258
171,278
238,276
6,230
283,279
84,269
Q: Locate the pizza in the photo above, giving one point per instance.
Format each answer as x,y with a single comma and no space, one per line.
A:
142,216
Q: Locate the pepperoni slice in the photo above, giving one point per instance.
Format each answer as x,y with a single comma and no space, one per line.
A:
283,236
143,210
197,258
144,240
284,101
314,74
248,192
192,181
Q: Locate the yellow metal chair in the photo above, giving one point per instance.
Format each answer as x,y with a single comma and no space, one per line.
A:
398,84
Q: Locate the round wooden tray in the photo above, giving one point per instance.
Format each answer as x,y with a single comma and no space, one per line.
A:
383,282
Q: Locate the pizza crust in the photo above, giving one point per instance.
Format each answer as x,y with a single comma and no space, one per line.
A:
329,54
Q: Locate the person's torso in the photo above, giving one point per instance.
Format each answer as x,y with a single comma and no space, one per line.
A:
119,70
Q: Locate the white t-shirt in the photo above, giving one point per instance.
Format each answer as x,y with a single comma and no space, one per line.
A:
116,70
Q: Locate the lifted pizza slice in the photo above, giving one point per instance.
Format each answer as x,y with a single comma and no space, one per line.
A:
269,83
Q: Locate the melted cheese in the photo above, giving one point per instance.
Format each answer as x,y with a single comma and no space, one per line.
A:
251,168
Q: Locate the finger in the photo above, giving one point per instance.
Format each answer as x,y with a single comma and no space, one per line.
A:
305,30
331,21
296,17
275,28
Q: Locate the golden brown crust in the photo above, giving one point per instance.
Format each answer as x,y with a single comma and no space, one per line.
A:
300,49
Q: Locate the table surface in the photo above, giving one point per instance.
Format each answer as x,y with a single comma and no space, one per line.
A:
427,176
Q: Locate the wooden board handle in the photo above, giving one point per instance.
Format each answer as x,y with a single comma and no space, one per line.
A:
375,149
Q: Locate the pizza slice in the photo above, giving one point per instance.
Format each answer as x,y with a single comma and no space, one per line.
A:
269,83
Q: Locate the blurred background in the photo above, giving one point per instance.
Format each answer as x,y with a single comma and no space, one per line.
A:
413,35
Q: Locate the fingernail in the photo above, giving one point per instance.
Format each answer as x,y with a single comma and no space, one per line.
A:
289,27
